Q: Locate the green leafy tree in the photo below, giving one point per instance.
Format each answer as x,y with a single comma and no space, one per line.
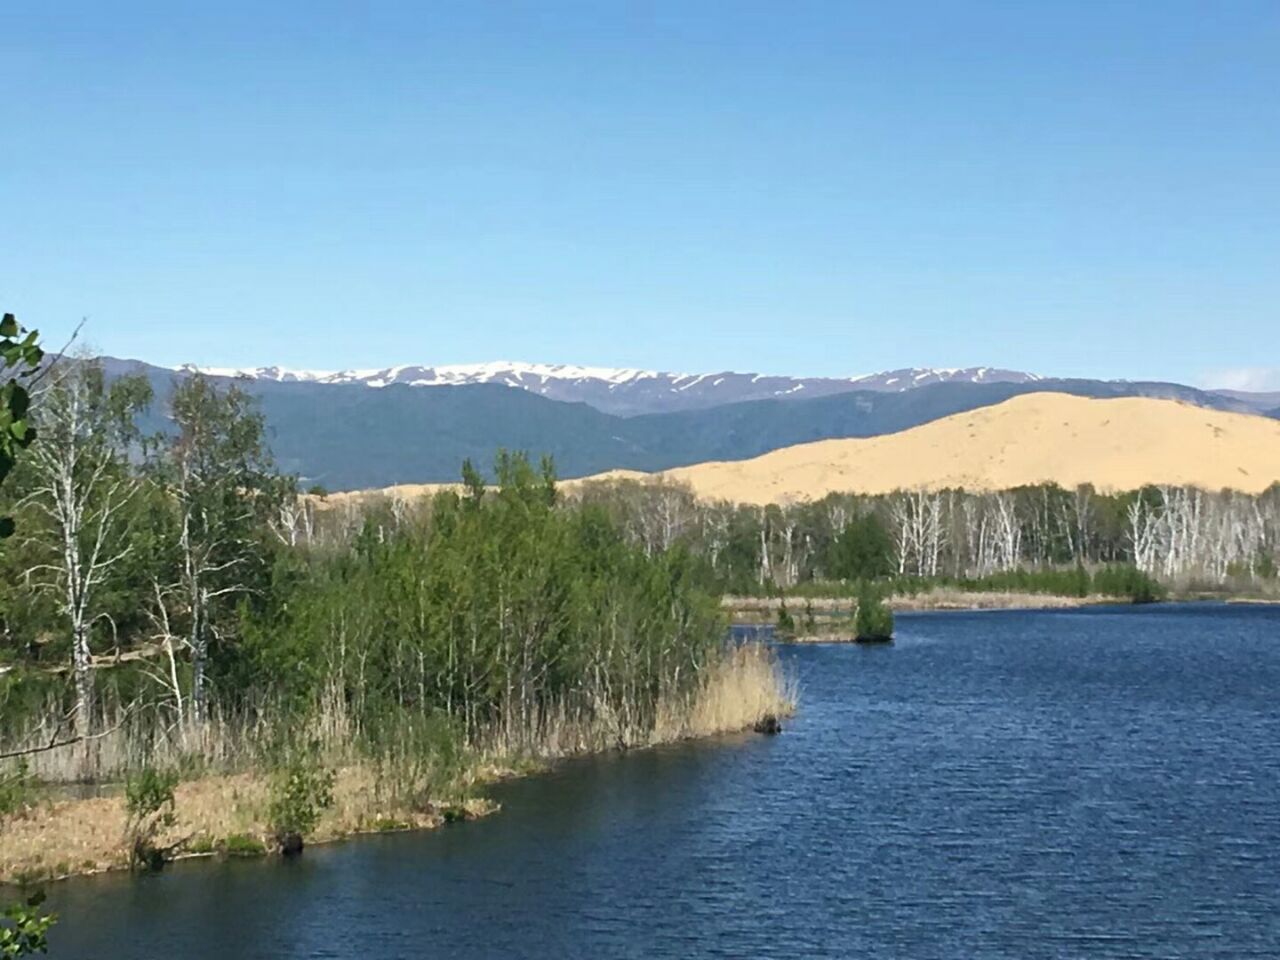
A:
23,930
863,550
221,480
82,486
20,355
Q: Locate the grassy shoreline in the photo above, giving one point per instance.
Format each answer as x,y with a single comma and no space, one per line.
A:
765,609
226,812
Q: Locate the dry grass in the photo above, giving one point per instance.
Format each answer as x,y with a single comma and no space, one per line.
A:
826,609
63,836
743,687
946,598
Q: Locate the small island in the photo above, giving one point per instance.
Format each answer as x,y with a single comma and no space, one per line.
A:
869,622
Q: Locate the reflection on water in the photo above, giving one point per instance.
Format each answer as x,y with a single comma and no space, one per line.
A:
1095,783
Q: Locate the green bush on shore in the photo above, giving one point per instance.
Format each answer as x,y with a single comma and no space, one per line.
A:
873,619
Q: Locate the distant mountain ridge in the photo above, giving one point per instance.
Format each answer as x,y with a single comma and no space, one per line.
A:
625,391
347,437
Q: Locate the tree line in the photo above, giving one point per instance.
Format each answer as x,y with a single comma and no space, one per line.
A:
1183,537
182,573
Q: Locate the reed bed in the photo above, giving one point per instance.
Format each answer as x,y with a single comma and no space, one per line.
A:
75,820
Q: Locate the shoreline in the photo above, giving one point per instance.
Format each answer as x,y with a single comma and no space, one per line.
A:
74,821
56,836
219,816
764,610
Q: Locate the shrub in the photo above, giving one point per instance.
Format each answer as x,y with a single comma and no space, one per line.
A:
243,845
149,803
150,791
786,625
23,928
17,789
1266,566
1126,580
301,791
874,620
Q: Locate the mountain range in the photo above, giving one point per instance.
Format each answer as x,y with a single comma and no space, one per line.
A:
377,428
623,391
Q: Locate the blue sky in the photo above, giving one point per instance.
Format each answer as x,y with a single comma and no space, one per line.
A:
1079,188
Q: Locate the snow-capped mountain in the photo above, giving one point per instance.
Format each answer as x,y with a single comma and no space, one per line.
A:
899,380
627,390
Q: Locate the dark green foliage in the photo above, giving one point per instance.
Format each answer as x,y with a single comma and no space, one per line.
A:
242,845
150,792
20,357
17,788
863,550
301,790
493,607
873,620
1265,566
24,928
1128,582
810,621
149,803
786,624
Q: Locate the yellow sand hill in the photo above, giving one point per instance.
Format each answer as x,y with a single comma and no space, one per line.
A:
1116,444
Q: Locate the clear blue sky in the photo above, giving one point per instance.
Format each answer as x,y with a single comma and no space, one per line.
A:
1077,188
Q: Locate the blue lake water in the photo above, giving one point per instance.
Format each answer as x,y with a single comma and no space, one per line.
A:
1093,783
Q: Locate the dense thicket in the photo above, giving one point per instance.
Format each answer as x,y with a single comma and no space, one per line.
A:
179,571
488,607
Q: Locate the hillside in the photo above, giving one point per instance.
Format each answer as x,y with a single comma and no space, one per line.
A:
1118,444
349,436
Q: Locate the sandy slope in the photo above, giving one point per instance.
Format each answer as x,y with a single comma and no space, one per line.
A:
1114,444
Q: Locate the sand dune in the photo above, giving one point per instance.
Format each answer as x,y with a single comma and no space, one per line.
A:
1117,444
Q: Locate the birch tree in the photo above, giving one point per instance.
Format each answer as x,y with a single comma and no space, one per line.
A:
219,473
83,484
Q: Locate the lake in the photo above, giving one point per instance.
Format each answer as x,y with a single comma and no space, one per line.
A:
1090,783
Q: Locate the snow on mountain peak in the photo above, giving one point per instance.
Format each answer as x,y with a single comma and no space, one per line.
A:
626,390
